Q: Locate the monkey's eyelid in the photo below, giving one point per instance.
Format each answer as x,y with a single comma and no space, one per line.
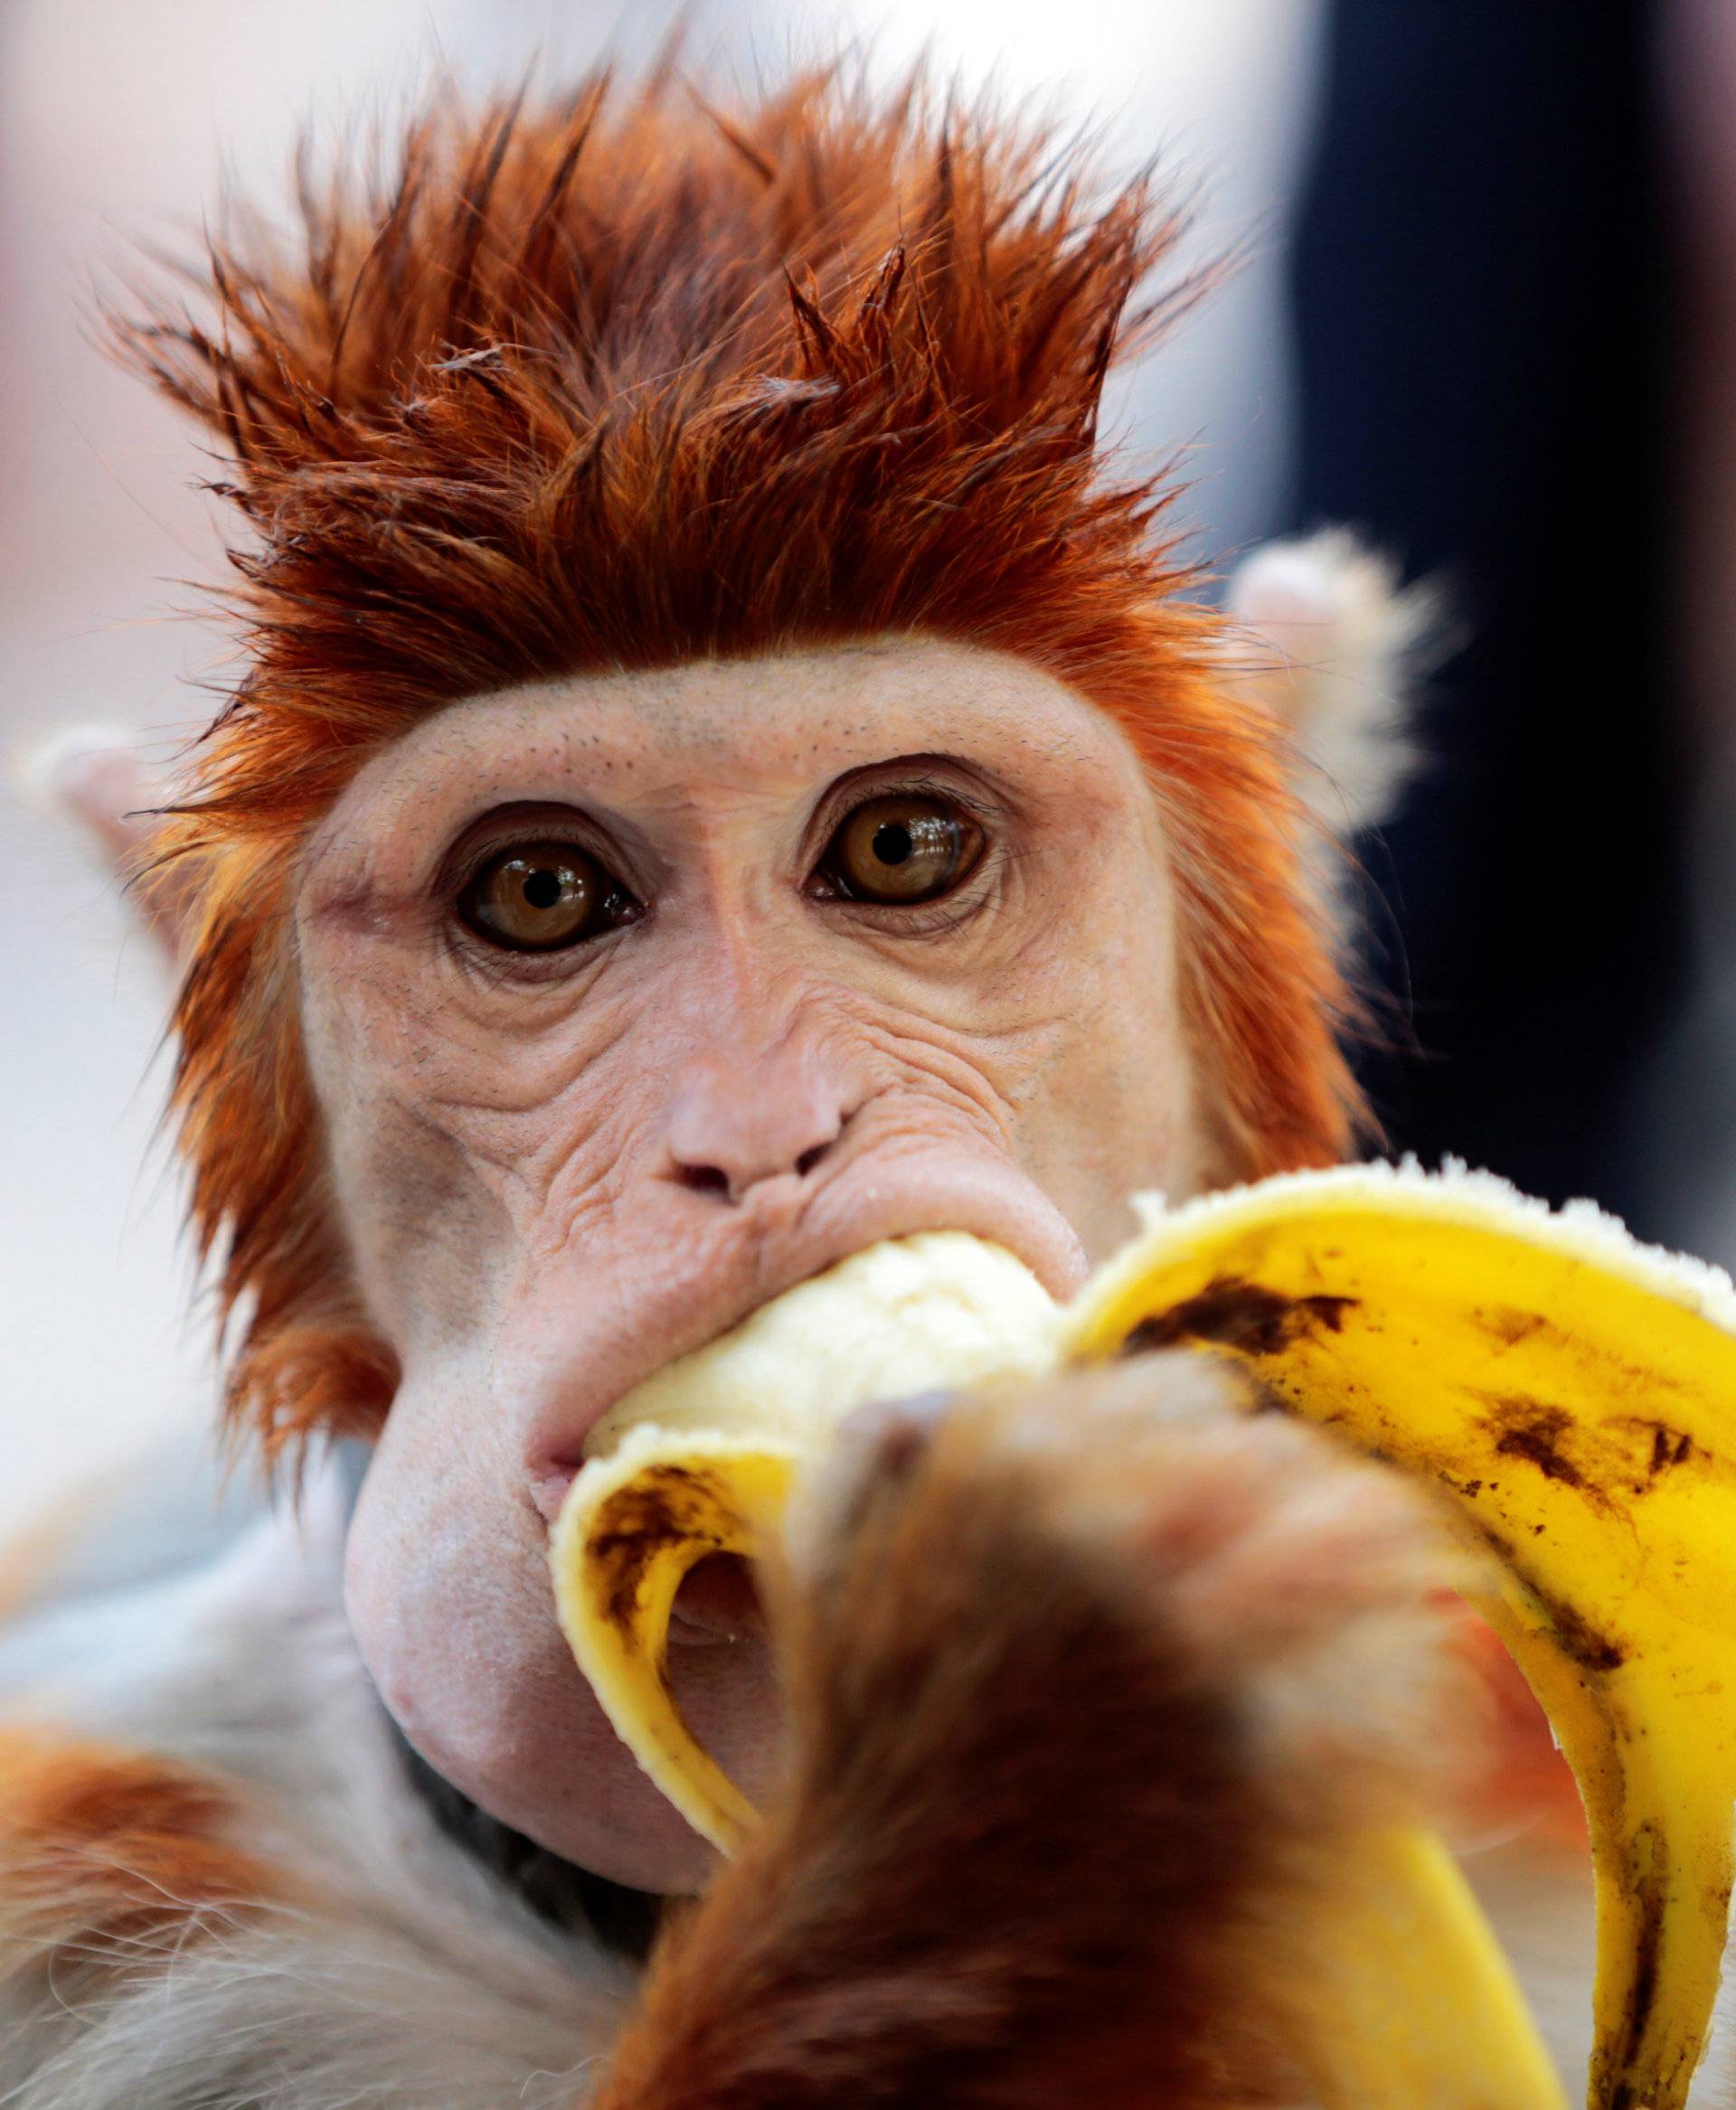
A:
505,968
466,861
973,896
616,848
973,799
936,919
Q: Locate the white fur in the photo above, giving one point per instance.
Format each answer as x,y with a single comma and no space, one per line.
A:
1328,641
46,767
404,1976
401,1975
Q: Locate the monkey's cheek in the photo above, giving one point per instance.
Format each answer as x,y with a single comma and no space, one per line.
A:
550,1764
471,1666
729,1695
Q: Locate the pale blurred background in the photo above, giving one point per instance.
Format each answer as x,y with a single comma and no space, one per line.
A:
116,119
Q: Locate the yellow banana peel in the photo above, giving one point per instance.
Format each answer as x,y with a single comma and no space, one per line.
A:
1574,1394
650,1512
1408,2003
1571,1392
701,1457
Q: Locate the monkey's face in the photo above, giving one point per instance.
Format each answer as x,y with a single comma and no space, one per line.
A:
632,1000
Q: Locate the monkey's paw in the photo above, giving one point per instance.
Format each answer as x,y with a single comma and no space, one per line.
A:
1085,1684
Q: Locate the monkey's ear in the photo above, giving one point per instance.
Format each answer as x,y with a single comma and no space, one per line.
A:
98,777
1328,641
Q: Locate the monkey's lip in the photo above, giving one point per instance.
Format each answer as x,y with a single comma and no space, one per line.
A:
1038,1236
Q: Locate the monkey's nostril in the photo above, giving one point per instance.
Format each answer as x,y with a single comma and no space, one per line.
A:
730,1174
704,1179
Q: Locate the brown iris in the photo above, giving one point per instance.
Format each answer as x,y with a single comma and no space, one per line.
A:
903,847
536,898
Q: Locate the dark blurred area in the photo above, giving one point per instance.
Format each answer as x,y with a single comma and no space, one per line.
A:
1485,292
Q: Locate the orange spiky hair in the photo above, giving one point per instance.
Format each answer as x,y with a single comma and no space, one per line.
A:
621,381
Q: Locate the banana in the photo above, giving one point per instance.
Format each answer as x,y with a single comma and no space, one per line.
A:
1573,1393
1407,2001
699,1459
648,1513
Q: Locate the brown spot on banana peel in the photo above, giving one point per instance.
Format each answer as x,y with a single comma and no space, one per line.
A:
1646,1882
1587,1647
1670,1446
1536,1432
1234,1313
1580,1642
1625,1457
1649,1937
661,1508
1509,1325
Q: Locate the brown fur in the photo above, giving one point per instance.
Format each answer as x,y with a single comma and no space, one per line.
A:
110,1859
1086,1692
618,380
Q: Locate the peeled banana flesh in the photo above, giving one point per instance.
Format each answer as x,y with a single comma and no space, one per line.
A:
1570,1392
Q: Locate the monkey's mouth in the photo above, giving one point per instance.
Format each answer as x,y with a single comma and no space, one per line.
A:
717,1604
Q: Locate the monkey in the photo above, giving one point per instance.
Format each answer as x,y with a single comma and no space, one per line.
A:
727,768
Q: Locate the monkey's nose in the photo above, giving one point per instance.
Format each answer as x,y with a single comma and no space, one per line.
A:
735,1183
731,1132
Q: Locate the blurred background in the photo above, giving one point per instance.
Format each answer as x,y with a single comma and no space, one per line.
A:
1487,314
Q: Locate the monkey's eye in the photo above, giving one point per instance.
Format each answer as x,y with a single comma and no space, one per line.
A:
906,846
537,897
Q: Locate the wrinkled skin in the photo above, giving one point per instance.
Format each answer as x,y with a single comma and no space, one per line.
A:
558,1170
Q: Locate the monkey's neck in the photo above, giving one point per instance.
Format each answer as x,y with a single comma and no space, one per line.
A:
567,1896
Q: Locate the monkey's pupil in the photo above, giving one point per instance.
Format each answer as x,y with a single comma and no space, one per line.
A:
899,849
542,889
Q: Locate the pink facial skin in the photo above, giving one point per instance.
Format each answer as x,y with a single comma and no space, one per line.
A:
559,1170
